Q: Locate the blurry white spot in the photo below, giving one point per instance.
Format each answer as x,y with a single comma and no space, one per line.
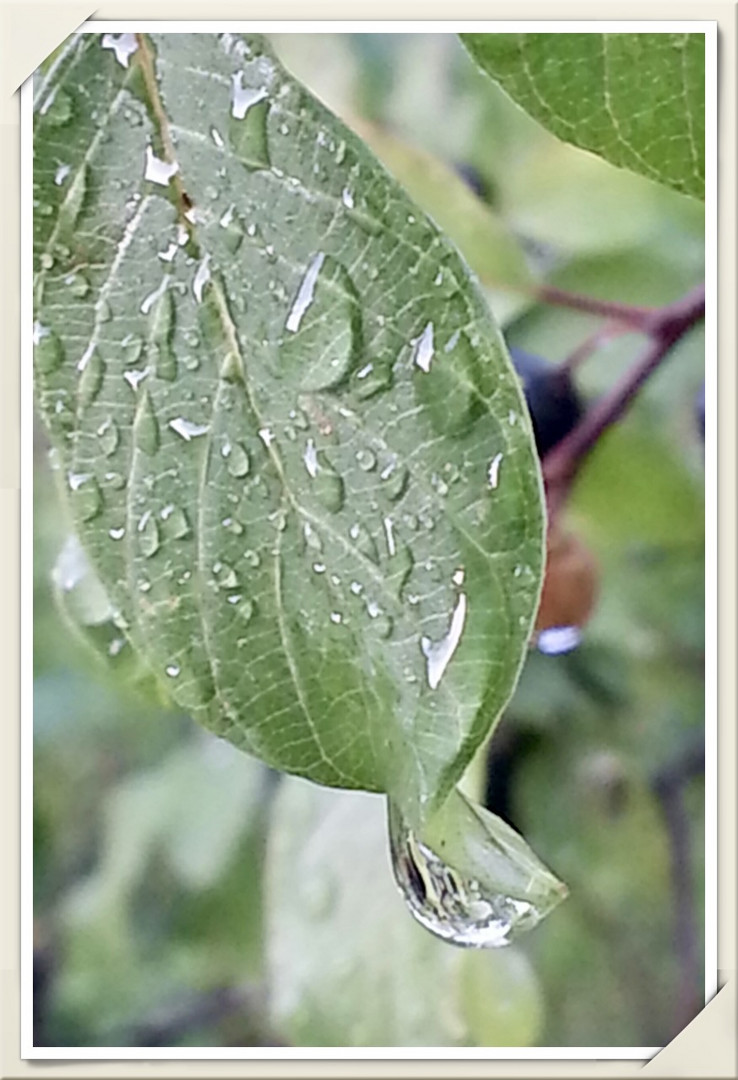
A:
438,654
424,349
158,171
305,294
559,639
76,480
389,469
168,255
458,577
217,138
124,45
227,217
71,565
133,378
187,429
267,436
244,96
451,343
172,671
493,472
310,457
61,174
49,102
117,534
347,199
151,299
85,358
366,370
39,332
336,617
202,277
389,533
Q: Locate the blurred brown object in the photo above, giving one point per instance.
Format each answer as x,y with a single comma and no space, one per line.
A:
571,582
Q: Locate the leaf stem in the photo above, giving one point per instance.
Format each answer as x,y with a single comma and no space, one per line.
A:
664,327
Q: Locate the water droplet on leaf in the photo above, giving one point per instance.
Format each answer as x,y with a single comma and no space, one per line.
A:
91,379
48,350
438,654
187,429
86,496
247,124
146,426
57,109
109,436
123,45
323,340
148,535
238,460
161,329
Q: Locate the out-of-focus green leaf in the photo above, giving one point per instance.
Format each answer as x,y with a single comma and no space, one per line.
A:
636,99
347,967
181,823
275,393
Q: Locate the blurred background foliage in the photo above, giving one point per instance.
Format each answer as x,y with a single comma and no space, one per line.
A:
185,896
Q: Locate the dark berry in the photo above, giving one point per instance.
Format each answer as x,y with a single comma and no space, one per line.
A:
479,184
553,401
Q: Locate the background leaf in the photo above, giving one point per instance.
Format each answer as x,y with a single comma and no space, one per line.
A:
275,393
347,967
636,99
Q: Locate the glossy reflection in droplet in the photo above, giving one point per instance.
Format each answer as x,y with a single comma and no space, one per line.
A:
487,891
444,903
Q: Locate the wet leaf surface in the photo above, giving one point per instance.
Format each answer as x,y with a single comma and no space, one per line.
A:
275,393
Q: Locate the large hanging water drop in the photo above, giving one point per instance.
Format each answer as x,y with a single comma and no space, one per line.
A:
468,877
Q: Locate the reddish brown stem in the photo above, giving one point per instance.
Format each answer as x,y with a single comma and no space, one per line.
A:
591,344
664,327
632,315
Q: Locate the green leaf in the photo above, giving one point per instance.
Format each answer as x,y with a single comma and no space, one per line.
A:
347,967
638,100
487,244
275,394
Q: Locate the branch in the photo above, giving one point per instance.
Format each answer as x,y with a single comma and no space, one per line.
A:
664,327
631,315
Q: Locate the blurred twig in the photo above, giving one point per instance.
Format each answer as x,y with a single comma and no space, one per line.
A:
668,784
664,327
631,315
